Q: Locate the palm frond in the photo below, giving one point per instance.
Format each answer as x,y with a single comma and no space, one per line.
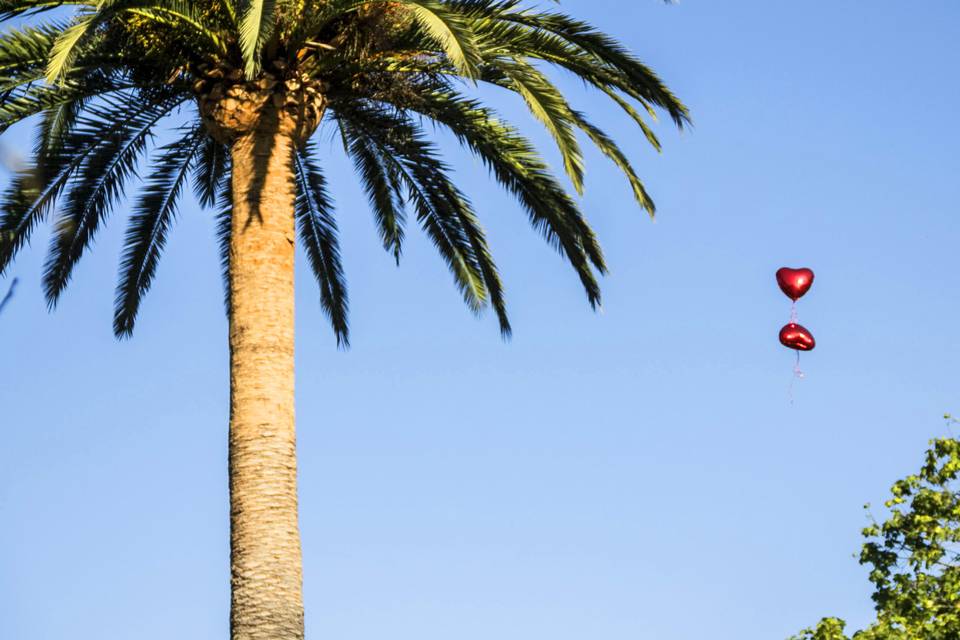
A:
450,31
66,46
635,116
211,164
178,14
609,52
35,99
13,8
383,189
511,38
549,106
515,163
556,112
30,197
441,22
87,20
256,26
426,200
445,213
99,181
25,203
609,148
35,190
318,233
149,223
25,50
57,122
224,231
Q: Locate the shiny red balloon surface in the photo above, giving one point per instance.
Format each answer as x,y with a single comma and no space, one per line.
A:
794,282
797,337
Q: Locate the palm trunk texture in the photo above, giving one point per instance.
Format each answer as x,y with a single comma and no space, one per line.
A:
265,557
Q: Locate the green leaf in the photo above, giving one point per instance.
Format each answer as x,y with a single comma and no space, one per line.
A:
318,233
437,204
65,47
549,106
121,131
609,148
147,233
209,170
256,26
516,164
451,32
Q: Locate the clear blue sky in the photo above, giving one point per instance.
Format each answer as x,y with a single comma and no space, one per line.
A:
638,473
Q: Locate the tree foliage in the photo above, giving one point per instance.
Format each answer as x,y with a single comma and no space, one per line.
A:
914,557
103,77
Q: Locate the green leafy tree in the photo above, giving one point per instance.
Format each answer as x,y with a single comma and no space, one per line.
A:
252,80
914,556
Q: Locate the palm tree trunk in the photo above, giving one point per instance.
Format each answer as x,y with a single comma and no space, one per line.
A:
265,561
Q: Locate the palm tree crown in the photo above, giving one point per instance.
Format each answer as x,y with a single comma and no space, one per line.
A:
103,76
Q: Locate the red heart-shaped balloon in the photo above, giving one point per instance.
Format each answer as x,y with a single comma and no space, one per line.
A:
797,337
794,282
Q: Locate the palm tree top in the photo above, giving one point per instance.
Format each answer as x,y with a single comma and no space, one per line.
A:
102,77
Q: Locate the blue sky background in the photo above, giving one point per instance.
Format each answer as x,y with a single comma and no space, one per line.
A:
638,473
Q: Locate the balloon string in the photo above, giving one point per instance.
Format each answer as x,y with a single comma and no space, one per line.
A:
797,371
797,375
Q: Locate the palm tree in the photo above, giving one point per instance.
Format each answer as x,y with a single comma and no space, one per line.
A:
256,78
